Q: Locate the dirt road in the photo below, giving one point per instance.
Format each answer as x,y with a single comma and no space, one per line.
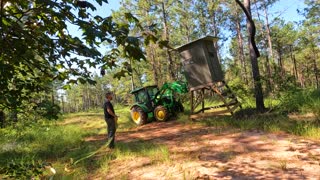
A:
198,152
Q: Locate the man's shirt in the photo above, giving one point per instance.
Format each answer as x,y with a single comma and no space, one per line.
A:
108,105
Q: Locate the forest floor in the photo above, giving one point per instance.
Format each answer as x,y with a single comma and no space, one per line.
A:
199,152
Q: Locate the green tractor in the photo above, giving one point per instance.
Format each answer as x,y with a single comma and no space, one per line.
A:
154,103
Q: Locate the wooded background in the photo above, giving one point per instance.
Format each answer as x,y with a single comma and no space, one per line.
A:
45,70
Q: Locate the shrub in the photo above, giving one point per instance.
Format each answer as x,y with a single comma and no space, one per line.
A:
314,103
301,101
48,110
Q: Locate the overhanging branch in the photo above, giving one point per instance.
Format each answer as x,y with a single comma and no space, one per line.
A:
253,31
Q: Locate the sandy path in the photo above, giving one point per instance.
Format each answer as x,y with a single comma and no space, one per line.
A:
198,152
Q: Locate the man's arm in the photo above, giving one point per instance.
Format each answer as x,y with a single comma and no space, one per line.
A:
110,112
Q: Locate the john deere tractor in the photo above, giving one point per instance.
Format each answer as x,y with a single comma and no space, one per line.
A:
154,103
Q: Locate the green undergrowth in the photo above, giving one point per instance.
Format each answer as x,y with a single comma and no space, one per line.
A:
76,145
303,105
26,148
301,101
267,123
73,147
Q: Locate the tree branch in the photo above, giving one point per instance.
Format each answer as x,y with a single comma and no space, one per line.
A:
253,32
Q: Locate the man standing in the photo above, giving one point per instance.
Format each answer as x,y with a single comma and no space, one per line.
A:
111,119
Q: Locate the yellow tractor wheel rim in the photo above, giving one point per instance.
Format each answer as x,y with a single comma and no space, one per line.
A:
161,114
135,116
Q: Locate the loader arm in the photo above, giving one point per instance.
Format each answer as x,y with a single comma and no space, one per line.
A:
168,89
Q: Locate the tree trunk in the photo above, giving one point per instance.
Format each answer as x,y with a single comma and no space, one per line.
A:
268,30
2,119
270,81
62,99
131,77
280,62
166,33
267,34
254,54
83,101
1,21
185,25
307,77
154,64
315,68
139,74
302,80
241,52
52,95
151,51
293,59
215,33
14,116
295,68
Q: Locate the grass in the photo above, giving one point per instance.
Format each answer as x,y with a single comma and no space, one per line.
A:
62,143
44,143
276,119
283,165
267,122
129,150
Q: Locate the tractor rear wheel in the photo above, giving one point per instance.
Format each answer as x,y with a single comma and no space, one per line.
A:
138,115
161,113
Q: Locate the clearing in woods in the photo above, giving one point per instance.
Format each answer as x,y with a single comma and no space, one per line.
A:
193,151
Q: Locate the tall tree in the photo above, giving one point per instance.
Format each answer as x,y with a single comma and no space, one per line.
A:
237,23
212,16
311,34
184,14
254,54
284,37
267,25
166,28
263,5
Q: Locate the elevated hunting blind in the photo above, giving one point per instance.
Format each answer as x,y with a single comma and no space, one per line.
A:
200,62
205,78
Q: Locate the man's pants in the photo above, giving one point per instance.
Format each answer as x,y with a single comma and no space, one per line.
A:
111,131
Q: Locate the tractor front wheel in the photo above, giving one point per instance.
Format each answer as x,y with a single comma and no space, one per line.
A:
161,113
138,115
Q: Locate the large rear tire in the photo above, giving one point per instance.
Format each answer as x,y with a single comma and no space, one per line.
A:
138,115
161,113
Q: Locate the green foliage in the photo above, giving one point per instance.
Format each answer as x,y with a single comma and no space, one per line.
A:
23,169
48,110
314,103
304,128
302,101
250,119
61,144
37,50
41,49
25,148
242,91
284,83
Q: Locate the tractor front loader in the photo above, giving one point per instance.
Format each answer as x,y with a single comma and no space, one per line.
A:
154,103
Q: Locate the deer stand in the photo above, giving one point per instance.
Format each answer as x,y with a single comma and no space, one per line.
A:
221,91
